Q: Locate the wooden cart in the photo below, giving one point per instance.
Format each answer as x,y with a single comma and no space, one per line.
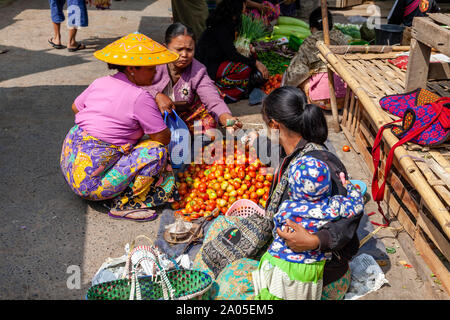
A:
418,192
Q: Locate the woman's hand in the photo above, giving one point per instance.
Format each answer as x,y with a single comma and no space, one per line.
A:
262,68
251,137
252,49
226,117
164,103
299,240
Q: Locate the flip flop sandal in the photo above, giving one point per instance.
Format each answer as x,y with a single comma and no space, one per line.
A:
80,46
54,45
124,216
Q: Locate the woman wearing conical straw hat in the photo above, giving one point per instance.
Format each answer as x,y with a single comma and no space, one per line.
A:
102,156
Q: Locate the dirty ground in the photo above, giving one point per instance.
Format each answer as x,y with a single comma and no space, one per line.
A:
46,230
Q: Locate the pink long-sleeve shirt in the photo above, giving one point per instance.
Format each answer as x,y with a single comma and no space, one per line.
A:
194,80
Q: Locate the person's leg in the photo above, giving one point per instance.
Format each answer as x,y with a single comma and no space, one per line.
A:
337,290
145,178
96,171
73,44
77,15
57,16
56,39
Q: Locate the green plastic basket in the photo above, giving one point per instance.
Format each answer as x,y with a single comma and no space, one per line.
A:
187,284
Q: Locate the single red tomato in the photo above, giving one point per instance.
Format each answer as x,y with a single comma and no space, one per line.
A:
175,206
260,178
194,216
202,187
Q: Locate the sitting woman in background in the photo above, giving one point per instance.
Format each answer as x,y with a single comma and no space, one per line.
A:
184,85
226,66
308,72
267,11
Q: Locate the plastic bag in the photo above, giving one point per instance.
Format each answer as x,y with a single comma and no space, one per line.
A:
180,139
367,277
111,269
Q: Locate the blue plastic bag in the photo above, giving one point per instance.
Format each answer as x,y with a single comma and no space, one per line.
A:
180,137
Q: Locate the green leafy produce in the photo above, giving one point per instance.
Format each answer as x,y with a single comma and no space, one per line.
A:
274,63
351,30
292,21
250,30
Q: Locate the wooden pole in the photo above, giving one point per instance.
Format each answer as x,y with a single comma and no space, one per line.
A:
326,38
411,170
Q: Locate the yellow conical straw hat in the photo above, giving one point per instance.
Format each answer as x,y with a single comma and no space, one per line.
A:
136,49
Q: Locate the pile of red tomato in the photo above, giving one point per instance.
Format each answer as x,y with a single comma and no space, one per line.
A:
273,83
207,190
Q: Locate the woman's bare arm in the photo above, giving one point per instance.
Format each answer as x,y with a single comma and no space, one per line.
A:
162,136
74,108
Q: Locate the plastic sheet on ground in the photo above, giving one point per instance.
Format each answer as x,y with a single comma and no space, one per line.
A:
367,277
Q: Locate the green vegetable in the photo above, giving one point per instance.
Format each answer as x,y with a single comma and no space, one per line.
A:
352,30
249,31
292,21
287,30
274,63
390,250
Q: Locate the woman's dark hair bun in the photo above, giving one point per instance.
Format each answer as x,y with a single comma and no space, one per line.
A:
289,106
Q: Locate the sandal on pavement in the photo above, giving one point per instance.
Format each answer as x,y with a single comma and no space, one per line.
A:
127,212
54,45
80,46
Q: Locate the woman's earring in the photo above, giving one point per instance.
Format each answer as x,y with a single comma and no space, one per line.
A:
132,73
